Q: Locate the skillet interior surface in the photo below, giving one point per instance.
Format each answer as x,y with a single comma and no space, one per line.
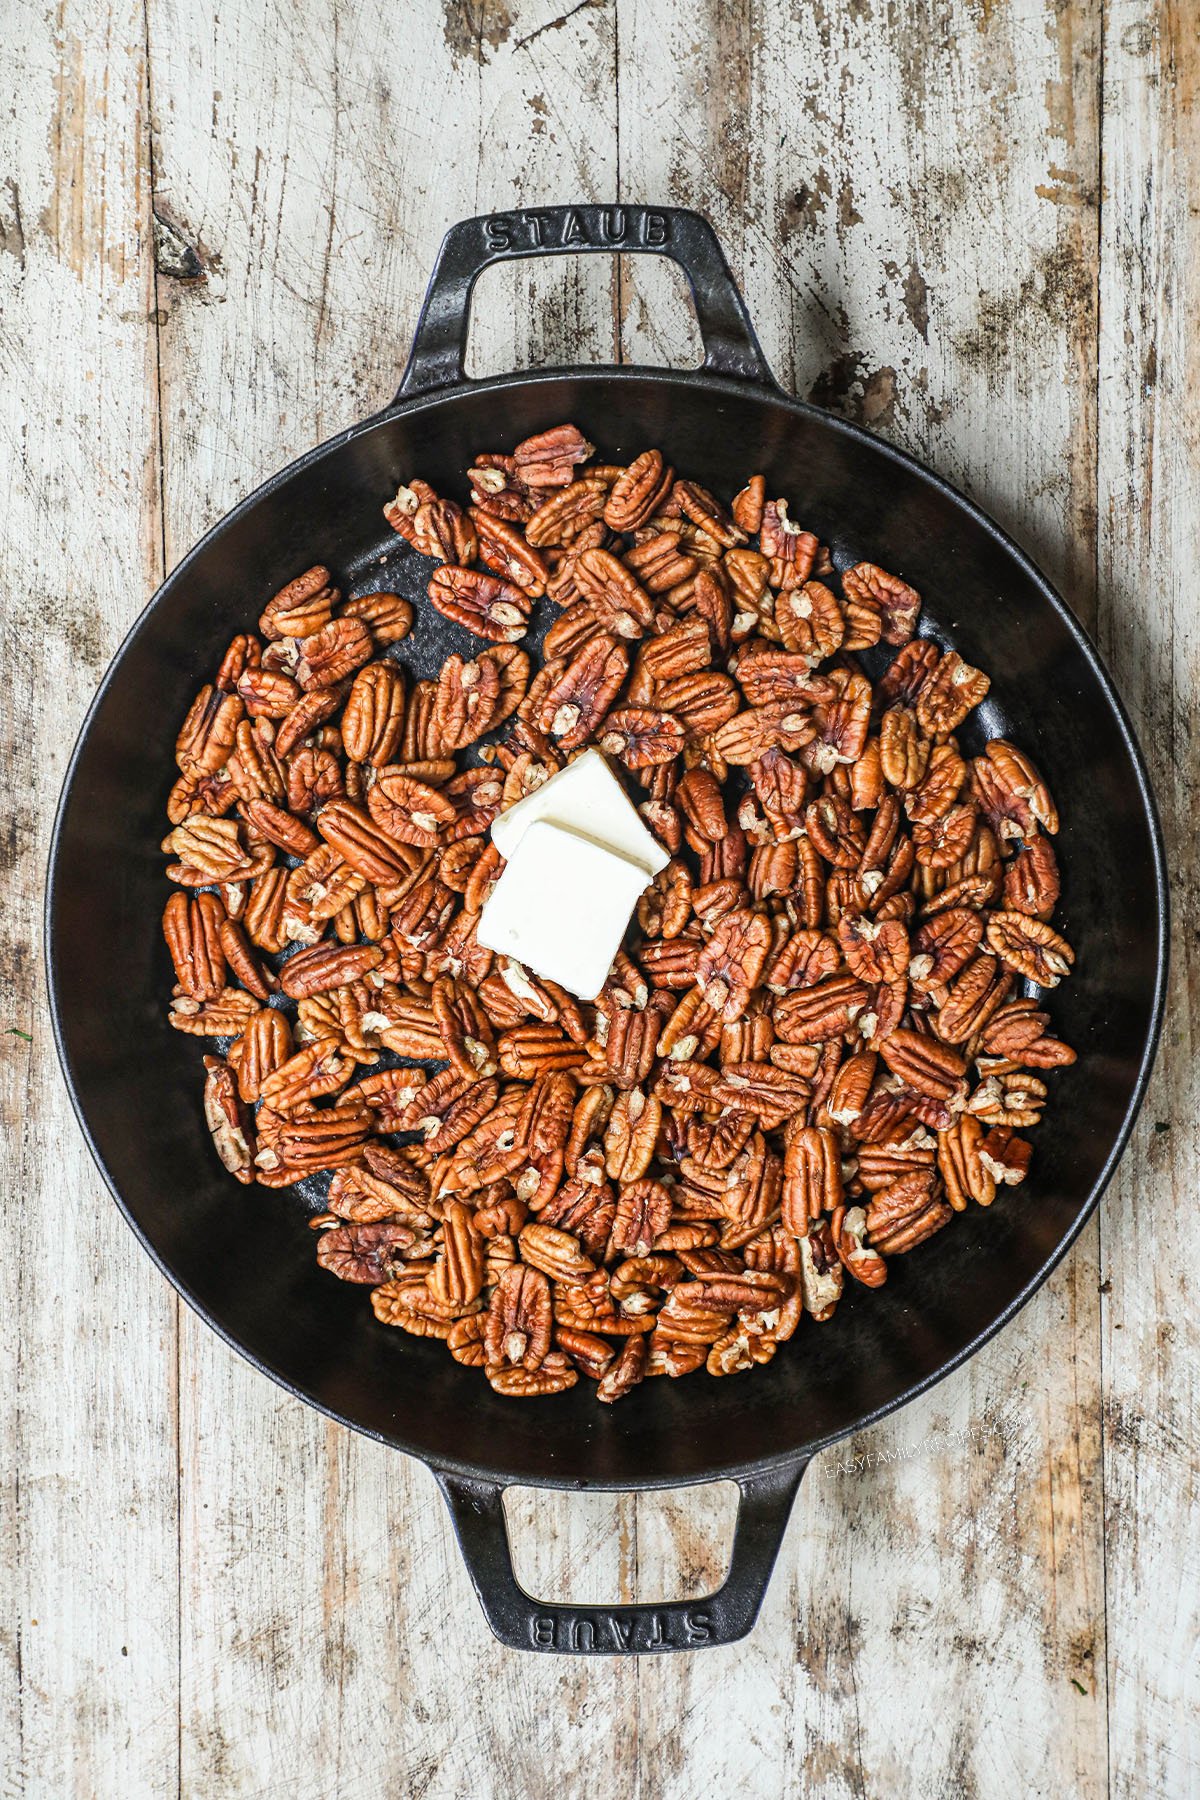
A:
243,1257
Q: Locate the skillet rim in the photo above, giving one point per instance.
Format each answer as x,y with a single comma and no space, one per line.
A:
720,387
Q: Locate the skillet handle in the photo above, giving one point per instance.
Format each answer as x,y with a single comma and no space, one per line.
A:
436,359
764,1507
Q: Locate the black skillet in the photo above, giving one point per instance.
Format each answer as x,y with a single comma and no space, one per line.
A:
242,1257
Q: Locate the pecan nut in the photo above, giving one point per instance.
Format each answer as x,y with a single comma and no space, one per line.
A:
332,653
373,719
228,1120
643,1212
484,604
620,603
812,1178
519,1320
638,492
574,706
327,966
732,962
192,928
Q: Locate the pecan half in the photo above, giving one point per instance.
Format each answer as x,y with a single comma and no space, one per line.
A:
631,1135
732,962
329,655
791,550
614,593
373,720
812,1178
825,1010
388,617
434,527
327,966
505,551
549,459
565,513
192,928
360,841
1030,946
1012,795
638,492
952,691
519,1319
895,603
923,1063
301,607
643,1211
206,737
642,738
906,1213
575,705
484,604
624,1374
466,702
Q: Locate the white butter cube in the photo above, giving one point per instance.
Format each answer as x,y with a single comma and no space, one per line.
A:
561,907
586,798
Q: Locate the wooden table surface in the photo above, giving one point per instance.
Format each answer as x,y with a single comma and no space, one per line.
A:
971,224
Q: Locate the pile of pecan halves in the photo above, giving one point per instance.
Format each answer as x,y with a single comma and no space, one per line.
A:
815,1047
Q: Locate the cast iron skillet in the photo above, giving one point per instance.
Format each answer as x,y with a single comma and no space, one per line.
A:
242,1257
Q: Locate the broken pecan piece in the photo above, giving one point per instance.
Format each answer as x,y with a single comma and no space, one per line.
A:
228,1120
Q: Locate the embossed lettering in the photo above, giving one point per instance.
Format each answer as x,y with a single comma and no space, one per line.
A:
622,1630
698,1626
612,224
573,231
536,220
578,1627
656,228
498,232
542,1632
656,1633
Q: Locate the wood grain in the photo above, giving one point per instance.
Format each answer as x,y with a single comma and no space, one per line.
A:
305,1591
852,205
1149,463
87,1406
970,224
296,1678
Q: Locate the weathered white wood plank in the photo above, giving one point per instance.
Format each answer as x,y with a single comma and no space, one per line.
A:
850,159
1149,468
545,135
911,205
308,1557
87,1409
319,1572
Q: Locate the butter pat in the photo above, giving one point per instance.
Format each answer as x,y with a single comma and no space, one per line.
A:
561,906
585,798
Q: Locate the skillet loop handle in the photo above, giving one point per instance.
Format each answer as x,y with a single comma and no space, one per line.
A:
523,1623
439,343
